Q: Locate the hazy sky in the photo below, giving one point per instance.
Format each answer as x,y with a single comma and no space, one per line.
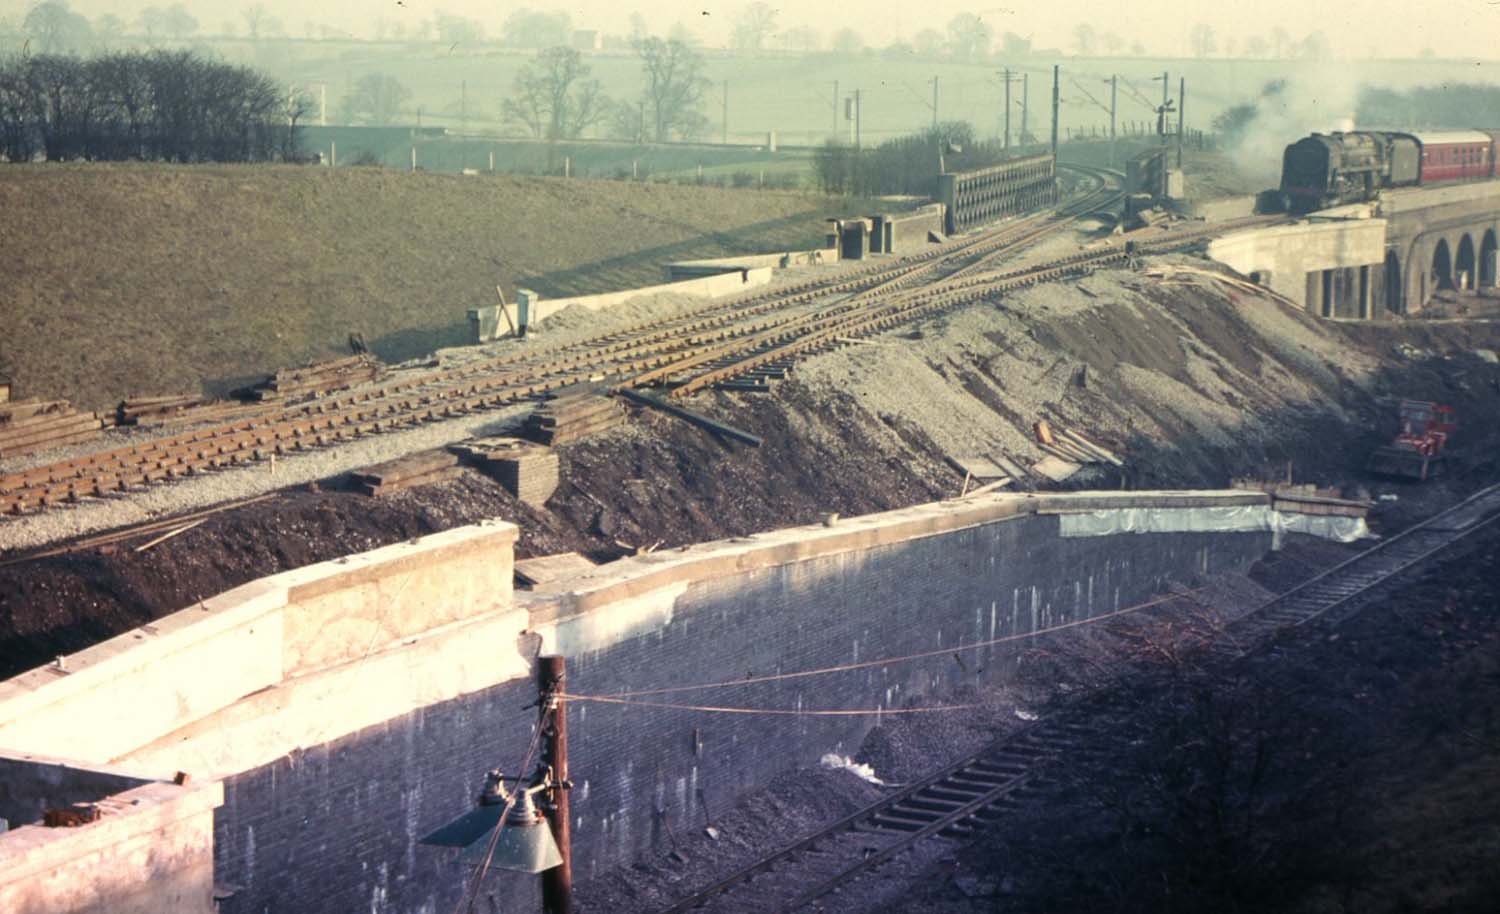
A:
1453,28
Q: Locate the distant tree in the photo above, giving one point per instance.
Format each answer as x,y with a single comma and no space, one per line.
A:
638,28
1315,47
680,33
927,43
1256,46
1013,45
453,30
1137,49
1083,38
674,86
109,28
969,36
173,22
802,38
375,100
1113,43
755,23
54,28
554,98
1281,41
1202,40
529,28
259,23
847,41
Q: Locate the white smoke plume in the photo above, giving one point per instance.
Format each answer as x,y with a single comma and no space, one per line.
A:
1311,99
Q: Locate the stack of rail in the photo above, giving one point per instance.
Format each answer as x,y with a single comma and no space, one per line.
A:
181,409
292,383
27,426
571,418
407,472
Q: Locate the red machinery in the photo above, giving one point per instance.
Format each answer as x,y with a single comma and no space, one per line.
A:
1417,452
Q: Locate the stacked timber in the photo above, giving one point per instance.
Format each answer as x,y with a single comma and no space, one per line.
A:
182,409
1073,447
572,417
291,383
420,469
527,470
33,425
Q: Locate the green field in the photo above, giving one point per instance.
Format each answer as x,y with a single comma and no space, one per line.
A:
794,95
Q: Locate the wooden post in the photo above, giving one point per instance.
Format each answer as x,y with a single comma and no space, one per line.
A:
557,883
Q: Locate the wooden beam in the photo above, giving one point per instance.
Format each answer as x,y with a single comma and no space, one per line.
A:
688,415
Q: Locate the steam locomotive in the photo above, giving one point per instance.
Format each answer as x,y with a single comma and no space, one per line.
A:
1329,169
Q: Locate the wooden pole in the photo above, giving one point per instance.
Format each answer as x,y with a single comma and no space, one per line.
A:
557,883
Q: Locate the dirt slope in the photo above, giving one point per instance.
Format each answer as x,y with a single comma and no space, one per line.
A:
159,279
1192,386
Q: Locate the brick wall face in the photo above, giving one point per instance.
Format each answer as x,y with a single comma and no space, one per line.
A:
333,828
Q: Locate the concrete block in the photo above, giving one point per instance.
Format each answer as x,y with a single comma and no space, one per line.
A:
484,324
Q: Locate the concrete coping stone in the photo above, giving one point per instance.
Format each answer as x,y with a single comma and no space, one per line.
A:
95,667
637,575
31,850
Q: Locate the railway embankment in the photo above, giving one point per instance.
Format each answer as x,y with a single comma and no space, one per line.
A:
141,279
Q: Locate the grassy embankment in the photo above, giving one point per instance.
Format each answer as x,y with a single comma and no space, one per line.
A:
145,279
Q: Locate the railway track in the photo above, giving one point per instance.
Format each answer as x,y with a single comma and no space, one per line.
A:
966,796
714,344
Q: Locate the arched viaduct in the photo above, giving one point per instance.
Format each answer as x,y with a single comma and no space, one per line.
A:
1370,263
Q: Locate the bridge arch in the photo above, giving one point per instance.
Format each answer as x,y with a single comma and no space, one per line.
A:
1487,259
1395,298
1442,266
1464,264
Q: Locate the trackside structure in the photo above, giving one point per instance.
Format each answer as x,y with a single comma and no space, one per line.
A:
283,745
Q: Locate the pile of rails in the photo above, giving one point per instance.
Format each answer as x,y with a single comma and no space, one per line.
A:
27,426
321,377
572,417
182,409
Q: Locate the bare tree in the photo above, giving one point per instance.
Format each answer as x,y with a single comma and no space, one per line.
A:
259,23
1083,38
928,43
674,88
802,38
528,28
1256,46
554,98
847,41
57,29
1202,40
969,36
375,99
755,24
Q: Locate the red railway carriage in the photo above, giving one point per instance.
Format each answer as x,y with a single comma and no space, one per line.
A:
1457,155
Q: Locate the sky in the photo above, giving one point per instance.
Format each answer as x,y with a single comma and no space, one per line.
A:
1358,28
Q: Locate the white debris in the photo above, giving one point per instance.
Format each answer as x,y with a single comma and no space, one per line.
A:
1025,715
1390,497
834,760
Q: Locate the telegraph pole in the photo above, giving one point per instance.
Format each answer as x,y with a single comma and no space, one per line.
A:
934,102
1007,109
1056,98
1181,115
1166,85
557,883
1025,104
1114,91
